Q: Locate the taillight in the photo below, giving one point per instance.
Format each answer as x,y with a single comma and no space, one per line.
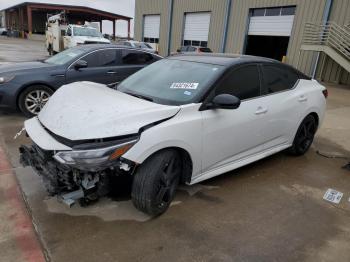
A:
325,93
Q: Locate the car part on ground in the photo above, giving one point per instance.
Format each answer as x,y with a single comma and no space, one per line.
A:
186,118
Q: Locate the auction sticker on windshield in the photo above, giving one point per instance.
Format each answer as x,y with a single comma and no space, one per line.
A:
184,85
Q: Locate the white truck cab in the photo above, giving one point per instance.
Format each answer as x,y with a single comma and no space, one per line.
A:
60,35
82,34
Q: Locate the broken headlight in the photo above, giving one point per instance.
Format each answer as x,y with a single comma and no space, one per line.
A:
93,158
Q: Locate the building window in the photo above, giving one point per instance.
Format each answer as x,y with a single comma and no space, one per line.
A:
273,11
151,40
195,43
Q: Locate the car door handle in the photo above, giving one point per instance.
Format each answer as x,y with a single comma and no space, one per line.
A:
111,72
261,110
302,98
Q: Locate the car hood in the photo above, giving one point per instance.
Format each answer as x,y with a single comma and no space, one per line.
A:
23,66
90,38
86,110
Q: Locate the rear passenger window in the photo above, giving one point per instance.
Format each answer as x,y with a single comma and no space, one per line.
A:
243,83
130,57
101,58
278,79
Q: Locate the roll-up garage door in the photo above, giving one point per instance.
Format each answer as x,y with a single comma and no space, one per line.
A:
151,27
196,29
271,25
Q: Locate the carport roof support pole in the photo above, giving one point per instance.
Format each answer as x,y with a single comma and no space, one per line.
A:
114,21
101,26
128,29
30,20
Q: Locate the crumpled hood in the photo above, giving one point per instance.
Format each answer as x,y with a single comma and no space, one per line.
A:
86,110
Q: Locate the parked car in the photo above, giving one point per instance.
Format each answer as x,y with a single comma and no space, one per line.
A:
193,49
137,44
27,86
3,31
183,119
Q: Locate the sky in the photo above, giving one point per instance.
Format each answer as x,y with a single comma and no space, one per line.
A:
122,7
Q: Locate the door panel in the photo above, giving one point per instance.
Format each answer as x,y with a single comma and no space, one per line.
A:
285,103
230,135
102,68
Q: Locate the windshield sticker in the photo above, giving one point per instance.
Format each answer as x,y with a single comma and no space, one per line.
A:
188,93
184,85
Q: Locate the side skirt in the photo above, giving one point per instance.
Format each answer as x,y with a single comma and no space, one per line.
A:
237,164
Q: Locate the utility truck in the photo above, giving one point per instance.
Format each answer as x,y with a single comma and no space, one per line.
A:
60,35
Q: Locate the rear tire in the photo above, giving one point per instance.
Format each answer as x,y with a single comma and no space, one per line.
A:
33,99
304,136
156,181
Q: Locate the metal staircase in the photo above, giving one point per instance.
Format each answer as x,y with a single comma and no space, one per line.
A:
330,38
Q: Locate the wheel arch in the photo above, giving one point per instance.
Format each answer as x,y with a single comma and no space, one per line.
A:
187,167
24,87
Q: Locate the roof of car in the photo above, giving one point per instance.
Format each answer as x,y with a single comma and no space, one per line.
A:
221,59
91,47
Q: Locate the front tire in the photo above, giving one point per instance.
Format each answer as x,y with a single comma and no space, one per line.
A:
33,99
304,136
156,181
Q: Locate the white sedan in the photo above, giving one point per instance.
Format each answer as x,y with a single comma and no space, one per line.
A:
183,119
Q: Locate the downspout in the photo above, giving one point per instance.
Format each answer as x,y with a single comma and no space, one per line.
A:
325,19
170,21
227,20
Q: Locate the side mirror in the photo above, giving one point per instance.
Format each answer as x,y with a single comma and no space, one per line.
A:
80,64
226,101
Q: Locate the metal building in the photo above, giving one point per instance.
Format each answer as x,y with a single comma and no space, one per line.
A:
312,35
31,17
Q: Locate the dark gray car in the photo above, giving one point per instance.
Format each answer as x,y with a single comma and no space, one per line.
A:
27,86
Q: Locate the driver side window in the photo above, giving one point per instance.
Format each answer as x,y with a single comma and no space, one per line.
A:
243,83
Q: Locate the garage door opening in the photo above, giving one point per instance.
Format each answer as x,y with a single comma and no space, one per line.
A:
269,31
196,29
274,47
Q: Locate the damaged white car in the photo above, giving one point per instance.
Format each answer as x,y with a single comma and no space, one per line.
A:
183,119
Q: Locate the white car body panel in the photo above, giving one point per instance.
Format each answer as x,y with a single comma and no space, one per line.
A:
217,140
217,146
41,137
86,110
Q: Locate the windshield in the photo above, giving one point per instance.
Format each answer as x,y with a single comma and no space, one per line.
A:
86,31
143,45
172,82
64,57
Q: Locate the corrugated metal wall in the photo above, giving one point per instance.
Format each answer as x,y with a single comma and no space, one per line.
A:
331,71
217,9
310,10
306,11
152,7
